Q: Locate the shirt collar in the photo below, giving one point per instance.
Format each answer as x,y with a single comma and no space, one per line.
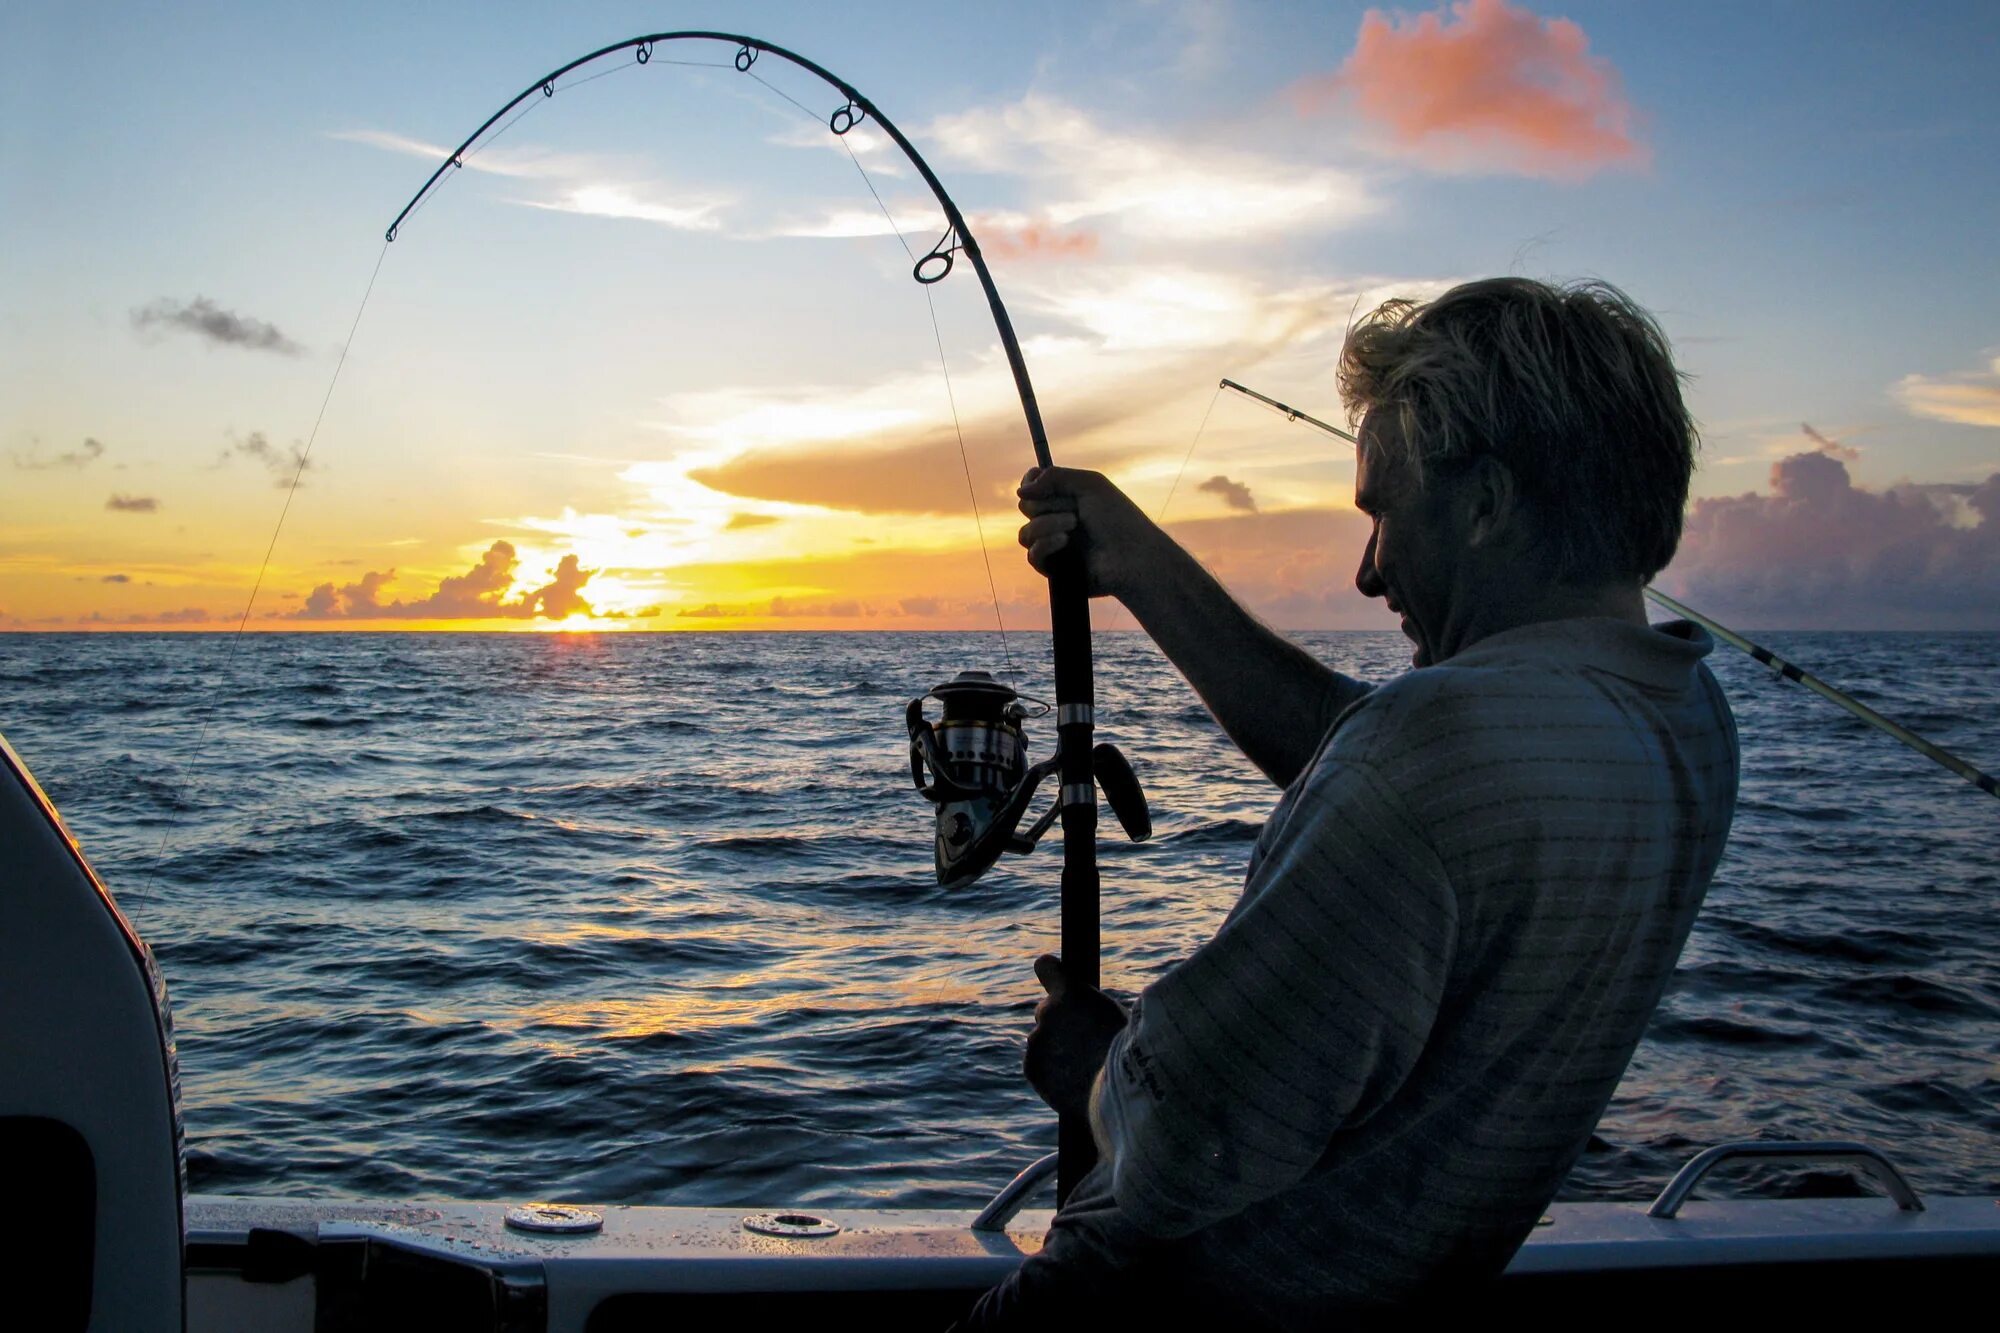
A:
1661,655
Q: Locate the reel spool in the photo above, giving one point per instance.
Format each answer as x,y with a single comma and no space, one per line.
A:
973,765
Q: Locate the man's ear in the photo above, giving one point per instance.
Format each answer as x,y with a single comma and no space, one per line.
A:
1491,501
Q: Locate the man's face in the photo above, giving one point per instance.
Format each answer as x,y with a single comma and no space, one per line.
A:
1411,554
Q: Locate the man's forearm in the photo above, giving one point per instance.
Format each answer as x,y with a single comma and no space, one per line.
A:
1271,696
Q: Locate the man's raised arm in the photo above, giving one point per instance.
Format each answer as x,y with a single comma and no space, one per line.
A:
1272,697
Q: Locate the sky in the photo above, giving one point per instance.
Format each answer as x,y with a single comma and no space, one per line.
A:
654,359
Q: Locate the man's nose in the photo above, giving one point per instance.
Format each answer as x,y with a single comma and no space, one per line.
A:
1368,578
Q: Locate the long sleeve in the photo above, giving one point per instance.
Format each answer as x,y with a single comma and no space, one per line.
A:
1302,1015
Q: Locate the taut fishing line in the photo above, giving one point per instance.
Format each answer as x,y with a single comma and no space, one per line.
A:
1161,517
932,996
951,398
180,784
182,788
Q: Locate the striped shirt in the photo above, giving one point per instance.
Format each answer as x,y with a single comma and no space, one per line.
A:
1367,1086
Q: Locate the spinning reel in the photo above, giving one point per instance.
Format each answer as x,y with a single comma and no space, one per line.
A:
973,765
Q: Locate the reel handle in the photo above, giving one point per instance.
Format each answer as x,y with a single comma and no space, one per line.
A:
1122,791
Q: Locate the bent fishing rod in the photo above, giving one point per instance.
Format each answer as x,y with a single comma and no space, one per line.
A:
972,765
1784,669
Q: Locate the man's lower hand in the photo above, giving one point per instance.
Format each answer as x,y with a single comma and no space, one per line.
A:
1074,1025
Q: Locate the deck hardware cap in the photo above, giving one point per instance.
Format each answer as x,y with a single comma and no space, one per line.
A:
559,1219
790,1225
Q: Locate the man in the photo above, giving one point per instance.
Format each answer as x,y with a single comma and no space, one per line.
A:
1368,1085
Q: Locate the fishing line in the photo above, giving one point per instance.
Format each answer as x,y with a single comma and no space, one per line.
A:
951,397
526,107
270,548
934,997
1161,517
1784,669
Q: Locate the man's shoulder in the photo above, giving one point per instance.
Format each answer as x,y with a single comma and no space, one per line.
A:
1444,704
1521,727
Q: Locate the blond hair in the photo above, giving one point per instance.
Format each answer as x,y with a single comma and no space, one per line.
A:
1572,387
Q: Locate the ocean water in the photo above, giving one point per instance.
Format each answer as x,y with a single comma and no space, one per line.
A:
648,918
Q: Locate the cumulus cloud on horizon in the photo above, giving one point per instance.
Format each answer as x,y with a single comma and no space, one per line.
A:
478,594
1818,551
187,615
210,322
1487,88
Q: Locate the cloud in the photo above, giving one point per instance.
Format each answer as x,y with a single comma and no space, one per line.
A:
515,161
1831,448
283,466
738,522
847,223
82,457
132,504
478,594
1035,240
1234,493
1971,398
116,578
584,183
877,153
1155,186
792,608
1488,88
187,615
205,319
1818,551
920,475
609,199
805,608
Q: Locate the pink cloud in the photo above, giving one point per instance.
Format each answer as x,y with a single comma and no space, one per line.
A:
1820,552
1487,88
1033,240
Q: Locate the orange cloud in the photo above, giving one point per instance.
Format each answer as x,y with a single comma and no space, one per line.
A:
1488,87
925,475
1033,240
